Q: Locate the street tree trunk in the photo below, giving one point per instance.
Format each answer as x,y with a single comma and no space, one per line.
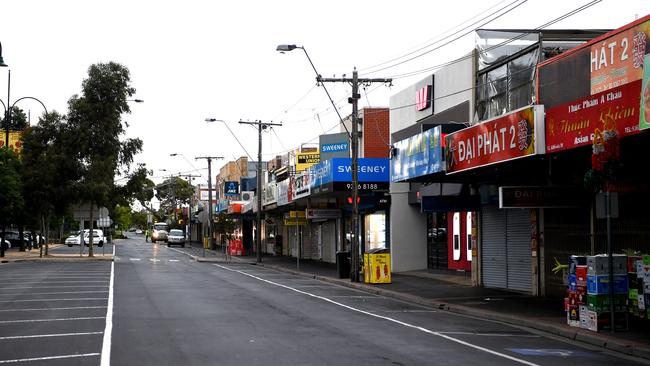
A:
90,232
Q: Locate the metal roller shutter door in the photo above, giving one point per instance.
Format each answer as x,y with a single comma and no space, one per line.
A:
518,249
493,247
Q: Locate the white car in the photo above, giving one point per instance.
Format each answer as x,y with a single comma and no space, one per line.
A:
176,237
73,239
98,238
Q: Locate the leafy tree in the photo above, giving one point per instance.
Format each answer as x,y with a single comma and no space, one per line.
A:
11,200
18,120
225,227
172,193
123,216
96,115
139,219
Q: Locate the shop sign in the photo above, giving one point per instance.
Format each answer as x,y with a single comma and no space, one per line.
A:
295,222
284,197
335,145
204,195
369,170
417,156
305,160
618,60
231,188
295,214
422,98
15,141
540,197
572,124
300,186
509,137
314,213
644,115
270,194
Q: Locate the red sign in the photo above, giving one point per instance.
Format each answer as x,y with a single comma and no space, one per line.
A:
572,124
504,138
422,98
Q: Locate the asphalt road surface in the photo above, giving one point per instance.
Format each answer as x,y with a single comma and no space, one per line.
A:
155,306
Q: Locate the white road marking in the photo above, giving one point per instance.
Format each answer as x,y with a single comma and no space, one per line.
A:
134,259
50,320
422,329
493,334
52,293
154,260
64,308
79,299
48,358
33,287
173,260
108,330
49,335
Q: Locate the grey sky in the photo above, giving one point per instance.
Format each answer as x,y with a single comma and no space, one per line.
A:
195,59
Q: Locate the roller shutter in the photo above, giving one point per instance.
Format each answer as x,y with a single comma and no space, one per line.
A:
493,247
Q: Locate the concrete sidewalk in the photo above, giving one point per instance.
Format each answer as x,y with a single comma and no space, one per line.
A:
452,292
15,255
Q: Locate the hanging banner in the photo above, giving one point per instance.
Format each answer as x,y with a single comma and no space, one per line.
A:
417,156
15,141
509,137
644,115
270,194
618,60
300,186
284,195
572,125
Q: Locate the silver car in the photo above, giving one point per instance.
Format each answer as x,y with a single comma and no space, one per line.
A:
176,237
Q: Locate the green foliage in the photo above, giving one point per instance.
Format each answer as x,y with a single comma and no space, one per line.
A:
18,120
224,226
139,219
173,192
122,217
11,199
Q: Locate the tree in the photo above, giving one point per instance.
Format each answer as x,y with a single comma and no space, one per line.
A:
11,200
96,116
123,216
172,193
224,226
18,120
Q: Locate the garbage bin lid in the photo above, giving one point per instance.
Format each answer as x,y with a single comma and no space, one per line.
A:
378,251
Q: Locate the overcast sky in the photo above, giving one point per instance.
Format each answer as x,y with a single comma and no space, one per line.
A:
195,59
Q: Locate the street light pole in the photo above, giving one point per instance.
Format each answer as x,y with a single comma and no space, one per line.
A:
211,222
258,231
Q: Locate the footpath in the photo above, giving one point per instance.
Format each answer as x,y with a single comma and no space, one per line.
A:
454,293
57,252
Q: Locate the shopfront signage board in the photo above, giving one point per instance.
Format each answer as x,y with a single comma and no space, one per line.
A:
513,136
334,145
284,197
231,188
305,160
335,175
540,197
300,186
315,213
418,155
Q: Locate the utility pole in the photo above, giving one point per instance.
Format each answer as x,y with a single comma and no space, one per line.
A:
211,224
354,100
189,209
258,231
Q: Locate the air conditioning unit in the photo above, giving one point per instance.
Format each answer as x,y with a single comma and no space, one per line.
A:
247,196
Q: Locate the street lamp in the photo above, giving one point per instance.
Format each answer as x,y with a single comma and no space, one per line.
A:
2,62
135,100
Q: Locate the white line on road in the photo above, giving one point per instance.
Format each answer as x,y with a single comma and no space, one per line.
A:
78,299
48,358
50,320
33,287
173,260
64,308
422,329
49,335
108,330
52,293
493,334
134,259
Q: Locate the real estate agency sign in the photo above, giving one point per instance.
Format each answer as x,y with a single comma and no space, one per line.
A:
573,124
513,136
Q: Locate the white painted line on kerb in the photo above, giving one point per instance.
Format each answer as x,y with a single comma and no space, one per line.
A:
53,293
487,350
78,299
108,330
50,320
48,358
49,309
49,335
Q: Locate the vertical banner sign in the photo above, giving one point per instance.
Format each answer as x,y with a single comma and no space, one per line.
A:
501,139
644,115
618,60
417,156
572,124
15,141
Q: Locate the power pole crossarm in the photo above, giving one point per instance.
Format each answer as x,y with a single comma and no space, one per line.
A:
258,225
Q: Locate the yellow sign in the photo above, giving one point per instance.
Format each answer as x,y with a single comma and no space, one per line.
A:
295,222
294,214
305,160
15,142
376,268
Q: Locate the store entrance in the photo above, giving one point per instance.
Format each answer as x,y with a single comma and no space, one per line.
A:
437,240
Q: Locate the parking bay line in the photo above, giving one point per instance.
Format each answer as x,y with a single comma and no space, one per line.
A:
61,308
32,287
54,293
47,358
78,299
422,329
50,320
49,335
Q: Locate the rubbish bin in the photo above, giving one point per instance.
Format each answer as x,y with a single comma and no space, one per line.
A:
376,266
343,264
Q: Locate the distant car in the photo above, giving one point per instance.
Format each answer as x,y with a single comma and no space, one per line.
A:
176,237
13,238
73,239
159,232
138,231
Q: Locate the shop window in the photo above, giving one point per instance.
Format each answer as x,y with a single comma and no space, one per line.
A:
375,225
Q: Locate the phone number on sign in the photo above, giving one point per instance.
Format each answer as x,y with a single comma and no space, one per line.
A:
368,186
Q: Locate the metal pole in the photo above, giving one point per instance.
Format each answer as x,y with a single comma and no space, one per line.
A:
354,277
258,224
8,114
209,204
610,257
189,218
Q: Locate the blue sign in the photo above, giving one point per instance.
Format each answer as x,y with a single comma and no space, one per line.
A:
418,155
231,188
340,170
328,148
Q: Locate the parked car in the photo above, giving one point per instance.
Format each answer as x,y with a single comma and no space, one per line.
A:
176,237
138,231
73,239
6,244
13,238
98,237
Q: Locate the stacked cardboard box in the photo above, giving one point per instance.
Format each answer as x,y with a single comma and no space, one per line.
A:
598,316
